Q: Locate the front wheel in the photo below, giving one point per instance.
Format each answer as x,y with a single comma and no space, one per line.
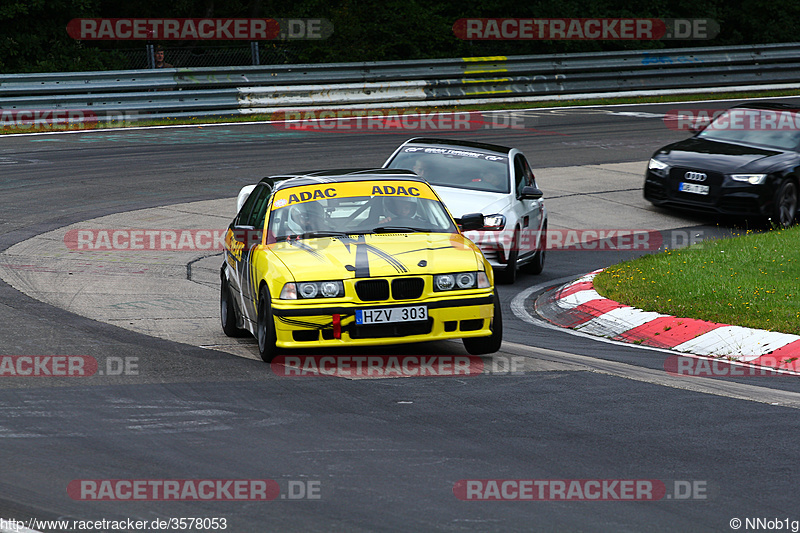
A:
265,327
537,264
508,275
490,344
785,204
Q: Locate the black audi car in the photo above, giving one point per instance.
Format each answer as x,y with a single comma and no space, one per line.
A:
745,162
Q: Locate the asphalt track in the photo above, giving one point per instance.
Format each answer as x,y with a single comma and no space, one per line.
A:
386,453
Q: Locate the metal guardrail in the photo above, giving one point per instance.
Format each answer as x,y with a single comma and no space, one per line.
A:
258,89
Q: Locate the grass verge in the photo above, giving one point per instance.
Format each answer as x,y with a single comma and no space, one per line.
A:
752,280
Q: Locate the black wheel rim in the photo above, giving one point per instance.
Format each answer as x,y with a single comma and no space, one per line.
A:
787,206
262,327
223,303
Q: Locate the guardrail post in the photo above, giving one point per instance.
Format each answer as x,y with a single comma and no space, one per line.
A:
151,58
254,52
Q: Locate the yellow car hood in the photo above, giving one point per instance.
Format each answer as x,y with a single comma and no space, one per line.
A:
378,255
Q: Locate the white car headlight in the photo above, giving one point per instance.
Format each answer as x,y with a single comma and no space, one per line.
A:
461,280
465,280
494,222
312,289
655,164
755,179
444,282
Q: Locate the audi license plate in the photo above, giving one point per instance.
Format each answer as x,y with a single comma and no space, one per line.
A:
693,188
393,314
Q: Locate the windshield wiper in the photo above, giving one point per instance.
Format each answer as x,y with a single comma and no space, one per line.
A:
398,229
324,233
312,235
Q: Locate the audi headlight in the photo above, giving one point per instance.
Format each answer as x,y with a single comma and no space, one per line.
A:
754,179
658,167
312,289
460,280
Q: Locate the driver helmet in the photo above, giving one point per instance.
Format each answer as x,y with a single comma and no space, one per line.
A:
401,207
305,217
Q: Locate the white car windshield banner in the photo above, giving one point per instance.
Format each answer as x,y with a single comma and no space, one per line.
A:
458,153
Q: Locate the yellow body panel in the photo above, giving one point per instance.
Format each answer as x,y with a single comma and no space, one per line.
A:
388,256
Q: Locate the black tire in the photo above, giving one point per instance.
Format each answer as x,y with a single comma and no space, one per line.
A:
537,264
227,311
491,344
265,327
785,204
508,275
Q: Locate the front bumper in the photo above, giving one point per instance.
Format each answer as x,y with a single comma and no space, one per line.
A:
497,246
727,197
450,317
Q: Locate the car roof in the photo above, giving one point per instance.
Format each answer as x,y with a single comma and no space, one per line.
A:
455,143
311,177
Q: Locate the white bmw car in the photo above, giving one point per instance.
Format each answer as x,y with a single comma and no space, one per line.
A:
497,181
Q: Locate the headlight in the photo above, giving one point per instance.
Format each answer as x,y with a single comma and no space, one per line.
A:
494,222
309,290
461,280
755,179
657,165
465,280
331,289
444,282
312,289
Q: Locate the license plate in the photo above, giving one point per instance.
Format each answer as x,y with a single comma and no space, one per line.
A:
693,188
393,314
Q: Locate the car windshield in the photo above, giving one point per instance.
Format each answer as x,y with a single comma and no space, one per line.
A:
461,168
343,209
762,127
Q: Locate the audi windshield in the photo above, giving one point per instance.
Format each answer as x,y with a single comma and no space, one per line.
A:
762,127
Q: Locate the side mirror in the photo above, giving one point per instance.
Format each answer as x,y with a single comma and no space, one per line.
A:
243,195
698,125
529,192
471,221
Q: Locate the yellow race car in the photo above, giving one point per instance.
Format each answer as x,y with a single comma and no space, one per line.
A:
354,258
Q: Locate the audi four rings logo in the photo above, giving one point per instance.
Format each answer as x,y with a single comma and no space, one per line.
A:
695,176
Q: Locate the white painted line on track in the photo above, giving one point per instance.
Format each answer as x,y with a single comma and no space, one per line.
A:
698,384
